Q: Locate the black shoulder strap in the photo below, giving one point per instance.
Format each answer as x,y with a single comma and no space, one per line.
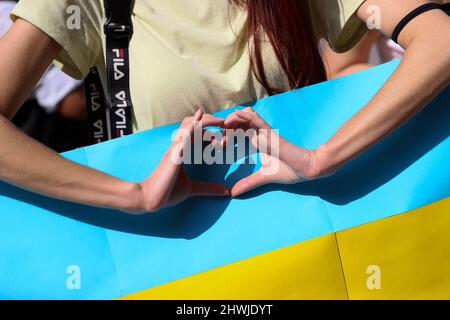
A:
416,12
97,110
446,8
111,117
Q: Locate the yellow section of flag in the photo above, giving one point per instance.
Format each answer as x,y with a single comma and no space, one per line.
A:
402,257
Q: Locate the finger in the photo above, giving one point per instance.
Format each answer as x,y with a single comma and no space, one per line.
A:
196,120
254,118
198,115
209,120
187,129
243,116
208,115
229,119
234,122
208,189
224,141
249,183
247,116
190,123
183,138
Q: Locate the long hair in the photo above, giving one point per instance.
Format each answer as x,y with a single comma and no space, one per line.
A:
287,25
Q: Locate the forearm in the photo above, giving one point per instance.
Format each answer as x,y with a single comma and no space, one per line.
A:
423,73
30,165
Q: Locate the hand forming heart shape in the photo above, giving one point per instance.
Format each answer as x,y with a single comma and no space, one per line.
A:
170,184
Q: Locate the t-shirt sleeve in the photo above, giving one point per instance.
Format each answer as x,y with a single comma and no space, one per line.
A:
336,21
74,24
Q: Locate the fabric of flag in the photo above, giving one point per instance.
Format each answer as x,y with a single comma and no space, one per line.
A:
378,229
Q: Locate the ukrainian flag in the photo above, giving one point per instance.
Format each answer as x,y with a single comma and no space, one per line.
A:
376,230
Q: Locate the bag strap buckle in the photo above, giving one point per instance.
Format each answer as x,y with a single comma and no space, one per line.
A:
118,19
118,30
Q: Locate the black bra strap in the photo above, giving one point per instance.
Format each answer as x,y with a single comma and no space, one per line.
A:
416,12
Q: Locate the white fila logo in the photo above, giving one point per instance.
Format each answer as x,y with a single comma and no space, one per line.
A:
122,96
95,97
121,123
118,62
98,130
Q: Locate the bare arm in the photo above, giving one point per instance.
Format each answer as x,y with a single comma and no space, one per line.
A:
354,60
26,54
423,73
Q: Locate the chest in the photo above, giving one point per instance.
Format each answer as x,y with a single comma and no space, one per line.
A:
190,54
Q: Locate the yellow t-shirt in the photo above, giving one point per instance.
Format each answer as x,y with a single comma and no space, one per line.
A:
184,54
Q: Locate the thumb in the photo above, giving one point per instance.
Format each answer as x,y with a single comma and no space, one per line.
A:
249,183
208,189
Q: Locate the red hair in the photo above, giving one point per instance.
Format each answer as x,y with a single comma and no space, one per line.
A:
287,25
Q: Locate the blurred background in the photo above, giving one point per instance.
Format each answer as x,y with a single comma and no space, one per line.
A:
55,113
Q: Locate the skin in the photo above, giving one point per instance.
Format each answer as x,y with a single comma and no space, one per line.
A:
27,52
27,163
410,88
355,60
73,106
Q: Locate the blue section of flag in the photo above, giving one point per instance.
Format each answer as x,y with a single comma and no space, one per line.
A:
120,254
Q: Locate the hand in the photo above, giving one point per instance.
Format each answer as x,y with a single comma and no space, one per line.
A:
169,184
282,162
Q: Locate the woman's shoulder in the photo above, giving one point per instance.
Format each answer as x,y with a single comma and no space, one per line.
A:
73,14
337,22
76,25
